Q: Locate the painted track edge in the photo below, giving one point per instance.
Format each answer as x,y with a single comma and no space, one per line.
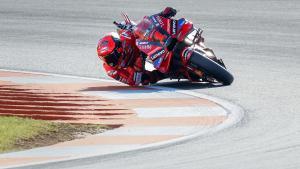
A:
236,114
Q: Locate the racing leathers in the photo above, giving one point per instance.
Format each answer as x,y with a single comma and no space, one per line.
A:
130,68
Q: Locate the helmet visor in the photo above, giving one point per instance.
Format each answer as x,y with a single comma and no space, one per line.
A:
113,58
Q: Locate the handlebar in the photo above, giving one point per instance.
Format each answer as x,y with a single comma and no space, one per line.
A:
123,26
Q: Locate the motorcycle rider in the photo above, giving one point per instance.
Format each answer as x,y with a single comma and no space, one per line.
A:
123,61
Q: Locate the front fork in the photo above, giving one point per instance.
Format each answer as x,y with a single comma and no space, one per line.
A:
181,66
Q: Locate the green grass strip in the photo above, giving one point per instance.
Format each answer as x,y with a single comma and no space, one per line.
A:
23,133
15,128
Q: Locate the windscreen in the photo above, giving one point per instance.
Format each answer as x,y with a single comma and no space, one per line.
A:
143,29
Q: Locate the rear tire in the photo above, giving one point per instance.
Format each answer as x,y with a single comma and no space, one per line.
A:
210,67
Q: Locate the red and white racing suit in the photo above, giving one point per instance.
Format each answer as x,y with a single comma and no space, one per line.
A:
130,68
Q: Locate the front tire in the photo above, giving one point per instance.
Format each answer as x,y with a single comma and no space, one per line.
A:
210,67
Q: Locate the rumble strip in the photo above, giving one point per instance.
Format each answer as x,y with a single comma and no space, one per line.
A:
142,117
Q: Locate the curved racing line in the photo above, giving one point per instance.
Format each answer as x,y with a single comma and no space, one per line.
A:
234,116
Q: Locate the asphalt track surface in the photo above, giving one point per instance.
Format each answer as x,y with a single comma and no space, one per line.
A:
258,40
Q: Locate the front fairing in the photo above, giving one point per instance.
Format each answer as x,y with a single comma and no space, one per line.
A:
143,29
153,34
150,40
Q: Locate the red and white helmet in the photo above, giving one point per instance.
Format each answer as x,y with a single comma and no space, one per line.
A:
109,49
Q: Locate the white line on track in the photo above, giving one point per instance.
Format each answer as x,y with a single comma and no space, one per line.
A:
235,115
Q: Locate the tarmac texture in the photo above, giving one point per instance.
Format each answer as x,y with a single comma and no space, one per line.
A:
140,117
258,41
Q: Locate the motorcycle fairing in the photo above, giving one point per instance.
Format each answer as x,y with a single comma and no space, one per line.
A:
164,25
180,23
154,50
148,47
157,63
153,32
184,30
165,64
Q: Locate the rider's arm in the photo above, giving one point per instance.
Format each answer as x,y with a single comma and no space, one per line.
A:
132,77
152,77
125,75
168,12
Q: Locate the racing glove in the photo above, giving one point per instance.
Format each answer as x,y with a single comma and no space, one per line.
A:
168,12
151,77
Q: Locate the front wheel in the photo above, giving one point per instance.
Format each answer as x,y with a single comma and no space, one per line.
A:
210,67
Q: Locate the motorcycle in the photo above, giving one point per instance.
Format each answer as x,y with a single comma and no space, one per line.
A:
176,48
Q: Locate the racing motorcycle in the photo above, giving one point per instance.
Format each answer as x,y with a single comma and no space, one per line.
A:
176,48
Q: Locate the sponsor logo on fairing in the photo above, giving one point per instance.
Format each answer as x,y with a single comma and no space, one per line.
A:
144,47
174,27
153,57
143,43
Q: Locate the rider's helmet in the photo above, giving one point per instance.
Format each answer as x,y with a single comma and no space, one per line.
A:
109,49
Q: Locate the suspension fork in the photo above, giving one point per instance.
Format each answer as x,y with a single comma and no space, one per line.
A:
180,62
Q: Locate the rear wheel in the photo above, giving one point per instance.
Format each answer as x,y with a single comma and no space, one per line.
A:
210,67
